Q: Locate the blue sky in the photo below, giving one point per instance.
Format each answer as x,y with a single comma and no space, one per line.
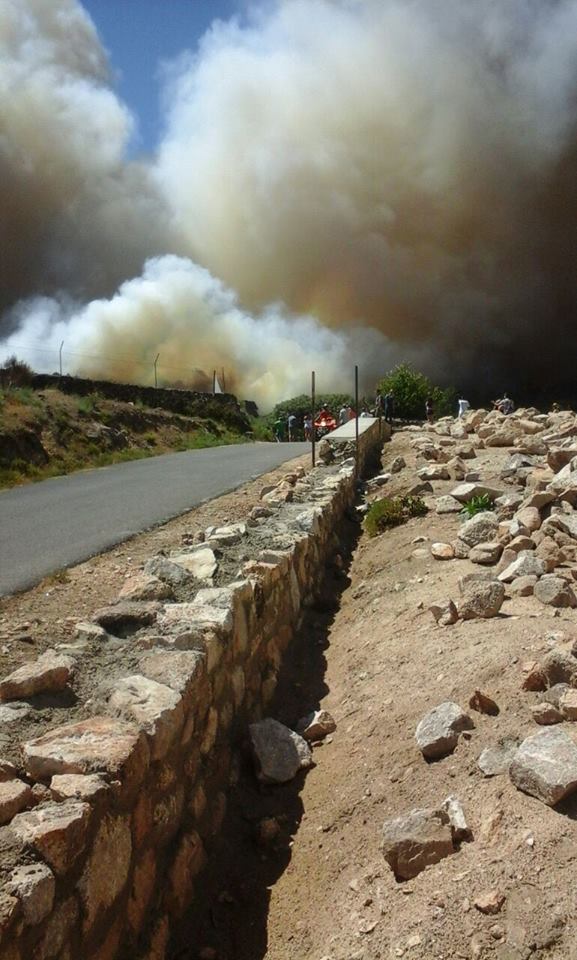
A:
139,35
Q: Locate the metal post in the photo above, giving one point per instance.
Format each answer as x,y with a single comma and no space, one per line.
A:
223,382
60,357
155,376
313,434
213,382
356,421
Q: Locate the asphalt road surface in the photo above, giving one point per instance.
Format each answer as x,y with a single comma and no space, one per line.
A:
60,522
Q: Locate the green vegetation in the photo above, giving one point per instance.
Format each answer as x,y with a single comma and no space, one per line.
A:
261,428
392,512
15,373
478,505
411,389
302,404
87,405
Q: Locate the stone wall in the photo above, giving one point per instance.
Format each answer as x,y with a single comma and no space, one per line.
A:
108,823
219,406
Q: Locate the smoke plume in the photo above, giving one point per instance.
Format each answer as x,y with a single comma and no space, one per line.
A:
355,180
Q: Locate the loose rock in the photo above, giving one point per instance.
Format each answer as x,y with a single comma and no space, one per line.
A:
416,840
481,599
545,766
280,753
438,732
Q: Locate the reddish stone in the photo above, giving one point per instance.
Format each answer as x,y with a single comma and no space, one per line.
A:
57,831
14,797
99,743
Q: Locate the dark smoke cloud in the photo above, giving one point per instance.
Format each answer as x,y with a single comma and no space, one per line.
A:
398,165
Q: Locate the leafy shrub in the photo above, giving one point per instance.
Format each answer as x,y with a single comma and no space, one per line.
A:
411,390
392,512
87,405
478,505
16,373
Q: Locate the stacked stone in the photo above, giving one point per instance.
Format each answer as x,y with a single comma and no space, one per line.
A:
109,822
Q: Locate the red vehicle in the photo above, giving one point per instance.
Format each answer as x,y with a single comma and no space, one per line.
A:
324,423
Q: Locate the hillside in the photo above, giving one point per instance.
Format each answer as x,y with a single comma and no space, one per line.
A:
51,427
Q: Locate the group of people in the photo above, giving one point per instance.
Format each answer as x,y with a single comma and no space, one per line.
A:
385,404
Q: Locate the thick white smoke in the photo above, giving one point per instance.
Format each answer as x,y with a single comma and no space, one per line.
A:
391,164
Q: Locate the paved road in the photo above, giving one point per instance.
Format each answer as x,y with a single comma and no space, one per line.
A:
60,522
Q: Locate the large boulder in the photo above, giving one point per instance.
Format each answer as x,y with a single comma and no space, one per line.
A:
545,766
438,732
417,840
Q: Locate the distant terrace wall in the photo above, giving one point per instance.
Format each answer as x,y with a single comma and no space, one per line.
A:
221,406
129,800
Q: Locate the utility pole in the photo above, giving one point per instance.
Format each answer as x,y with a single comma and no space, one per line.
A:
313,435
155,373
356,421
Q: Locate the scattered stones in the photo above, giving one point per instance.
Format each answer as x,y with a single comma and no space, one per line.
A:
438,732
490,902
416,840
129,615
481,528
397,465
316,725
481,599
459,827
200,563
279,752
568,703
523,586
143,587
545,766
486,553
554,592
444,612
496,760
49,674
468,491
442,551
482,703
438,472
525,565
448,505
546,714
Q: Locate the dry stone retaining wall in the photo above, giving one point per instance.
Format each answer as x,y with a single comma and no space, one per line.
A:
108,831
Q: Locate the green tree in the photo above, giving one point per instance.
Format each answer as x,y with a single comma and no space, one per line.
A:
411,388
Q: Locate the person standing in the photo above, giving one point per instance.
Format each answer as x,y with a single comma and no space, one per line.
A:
308,427
389,406
343,415
292,426
429,409
464,406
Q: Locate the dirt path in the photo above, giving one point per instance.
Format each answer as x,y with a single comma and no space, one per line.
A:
320,889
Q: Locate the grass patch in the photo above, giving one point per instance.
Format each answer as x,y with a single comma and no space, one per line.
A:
87,405
478,505
59,576
261,428
392,512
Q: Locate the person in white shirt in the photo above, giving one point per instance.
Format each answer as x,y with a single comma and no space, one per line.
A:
464,405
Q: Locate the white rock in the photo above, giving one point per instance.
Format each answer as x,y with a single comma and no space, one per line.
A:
545,766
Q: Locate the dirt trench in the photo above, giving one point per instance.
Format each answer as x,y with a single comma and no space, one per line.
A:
319,889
